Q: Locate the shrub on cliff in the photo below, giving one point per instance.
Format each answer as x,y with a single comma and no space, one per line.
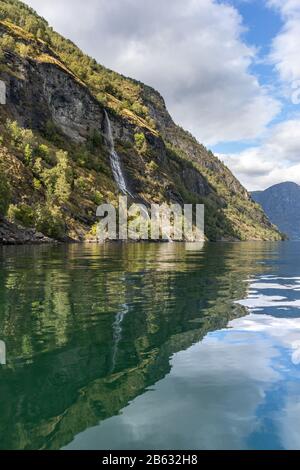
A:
50,221
21,213
58,180
4,193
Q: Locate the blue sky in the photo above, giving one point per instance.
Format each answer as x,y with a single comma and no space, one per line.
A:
262,24
229,70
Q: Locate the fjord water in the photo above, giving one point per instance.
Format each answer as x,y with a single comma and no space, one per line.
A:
150,346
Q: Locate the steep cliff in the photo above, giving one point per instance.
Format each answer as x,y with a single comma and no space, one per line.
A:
54,146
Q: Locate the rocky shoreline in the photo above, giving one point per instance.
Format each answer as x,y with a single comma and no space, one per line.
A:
12,234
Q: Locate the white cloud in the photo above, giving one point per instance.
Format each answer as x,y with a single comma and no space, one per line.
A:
191,51
277,159
286,7
288,422
219,392
286,45
207,401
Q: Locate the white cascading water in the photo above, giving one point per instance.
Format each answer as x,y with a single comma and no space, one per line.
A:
116,165
115,159
117,334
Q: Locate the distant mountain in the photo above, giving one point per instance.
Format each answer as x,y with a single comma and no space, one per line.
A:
282,205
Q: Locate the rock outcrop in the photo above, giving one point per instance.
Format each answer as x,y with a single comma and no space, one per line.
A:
12,234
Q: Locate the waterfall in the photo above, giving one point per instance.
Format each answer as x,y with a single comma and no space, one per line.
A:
118,173
117,334
115,159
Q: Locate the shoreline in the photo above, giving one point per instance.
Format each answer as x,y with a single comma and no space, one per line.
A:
15,235
130,242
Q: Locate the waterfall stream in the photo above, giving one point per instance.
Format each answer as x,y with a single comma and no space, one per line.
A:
117,170
115,159
117,334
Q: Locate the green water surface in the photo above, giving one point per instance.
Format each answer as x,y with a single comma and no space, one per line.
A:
150,346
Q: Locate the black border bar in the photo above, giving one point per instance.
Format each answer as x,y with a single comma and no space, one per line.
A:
136,459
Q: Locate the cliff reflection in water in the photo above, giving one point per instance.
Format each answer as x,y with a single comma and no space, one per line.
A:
89,328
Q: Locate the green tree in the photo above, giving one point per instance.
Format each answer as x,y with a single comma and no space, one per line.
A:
28,154
58,180
25,50
4,193
22,213
7,43
2,56
50,221
140,141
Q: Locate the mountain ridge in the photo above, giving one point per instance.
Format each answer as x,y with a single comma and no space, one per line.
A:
281,203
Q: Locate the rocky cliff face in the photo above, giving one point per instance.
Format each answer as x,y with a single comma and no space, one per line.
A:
37,93
282,205
161,162
12,234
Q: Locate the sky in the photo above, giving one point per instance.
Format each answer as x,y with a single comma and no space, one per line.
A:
229,70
